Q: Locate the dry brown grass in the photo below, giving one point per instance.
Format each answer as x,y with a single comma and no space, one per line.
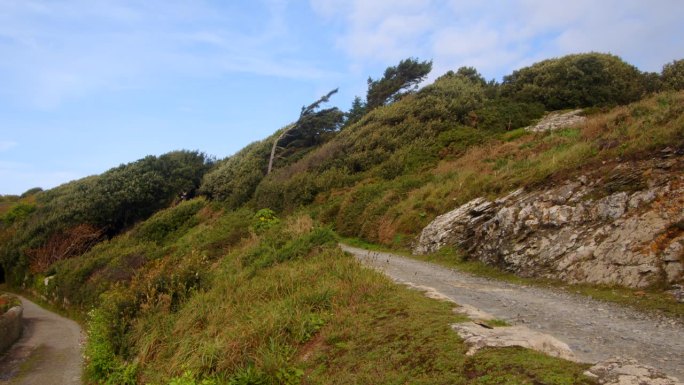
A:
297,225
63,245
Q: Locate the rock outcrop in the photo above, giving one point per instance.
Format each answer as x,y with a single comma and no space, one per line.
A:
623,371
558,120
478,337
620,224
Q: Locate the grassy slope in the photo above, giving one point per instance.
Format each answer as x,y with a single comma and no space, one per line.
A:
391,208
282,305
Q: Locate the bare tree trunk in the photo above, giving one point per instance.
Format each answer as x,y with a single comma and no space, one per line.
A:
275,145
305,111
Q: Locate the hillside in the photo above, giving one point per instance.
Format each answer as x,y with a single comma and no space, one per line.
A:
191,269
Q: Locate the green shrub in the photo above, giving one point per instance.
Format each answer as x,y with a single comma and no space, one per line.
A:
102,364
673,75
110,202
506,114
451,97
265,219
249,376
579,80
235,179
188,378
460,138
278,247
171,221
18,212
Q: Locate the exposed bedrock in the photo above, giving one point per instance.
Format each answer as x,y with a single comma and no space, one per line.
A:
620,224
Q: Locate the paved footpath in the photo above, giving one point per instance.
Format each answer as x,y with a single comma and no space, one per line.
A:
48,352
594,330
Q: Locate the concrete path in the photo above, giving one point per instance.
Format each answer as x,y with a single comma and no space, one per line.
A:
48,352
594,330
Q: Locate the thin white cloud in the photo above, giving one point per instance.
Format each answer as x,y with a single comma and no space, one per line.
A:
379,30
499,36
56,51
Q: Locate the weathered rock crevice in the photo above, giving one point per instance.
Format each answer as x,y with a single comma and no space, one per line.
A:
619,225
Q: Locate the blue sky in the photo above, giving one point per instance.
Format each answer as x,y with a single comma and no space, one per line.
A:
87,85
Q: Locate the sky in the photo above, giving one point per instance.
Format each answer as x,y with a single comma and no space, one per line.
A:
86,85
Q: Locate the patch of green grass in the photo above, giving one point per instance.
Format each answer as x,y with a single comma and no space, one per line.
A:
512,135
495,323
521,366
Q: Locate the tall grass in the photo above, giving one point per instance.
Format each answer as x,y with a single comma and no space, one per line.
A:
281,306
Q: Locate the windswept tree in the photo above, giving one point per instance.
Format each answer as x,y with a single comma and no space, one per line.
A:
309,128
396,82
356,112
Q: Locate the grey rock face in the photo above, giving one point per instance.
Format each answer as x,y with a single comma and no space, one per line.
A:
555,121
623,371
579,231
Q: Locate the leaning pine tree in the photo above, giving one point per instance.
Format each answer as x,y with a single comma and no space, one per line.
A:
310,124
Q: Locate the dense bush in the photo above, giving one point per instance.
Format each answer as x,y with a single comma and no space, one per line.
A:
17,212
235,179
505,114
580,80
165,224
108,203
673,75
63,244
124,195
451,97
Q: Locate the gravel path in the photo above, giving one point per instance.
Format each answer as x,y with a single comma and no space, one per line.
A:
594,330
48,352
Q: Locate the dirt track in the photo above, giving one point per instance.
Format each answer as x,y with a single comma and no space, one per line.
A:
48,352
594,330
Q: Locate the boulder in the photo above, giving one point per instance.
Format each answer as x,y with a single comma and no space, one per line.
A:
624,371
478,336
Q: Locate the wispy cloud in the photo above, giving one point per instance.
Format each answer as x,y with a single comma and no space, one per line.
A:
54,51
499,36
